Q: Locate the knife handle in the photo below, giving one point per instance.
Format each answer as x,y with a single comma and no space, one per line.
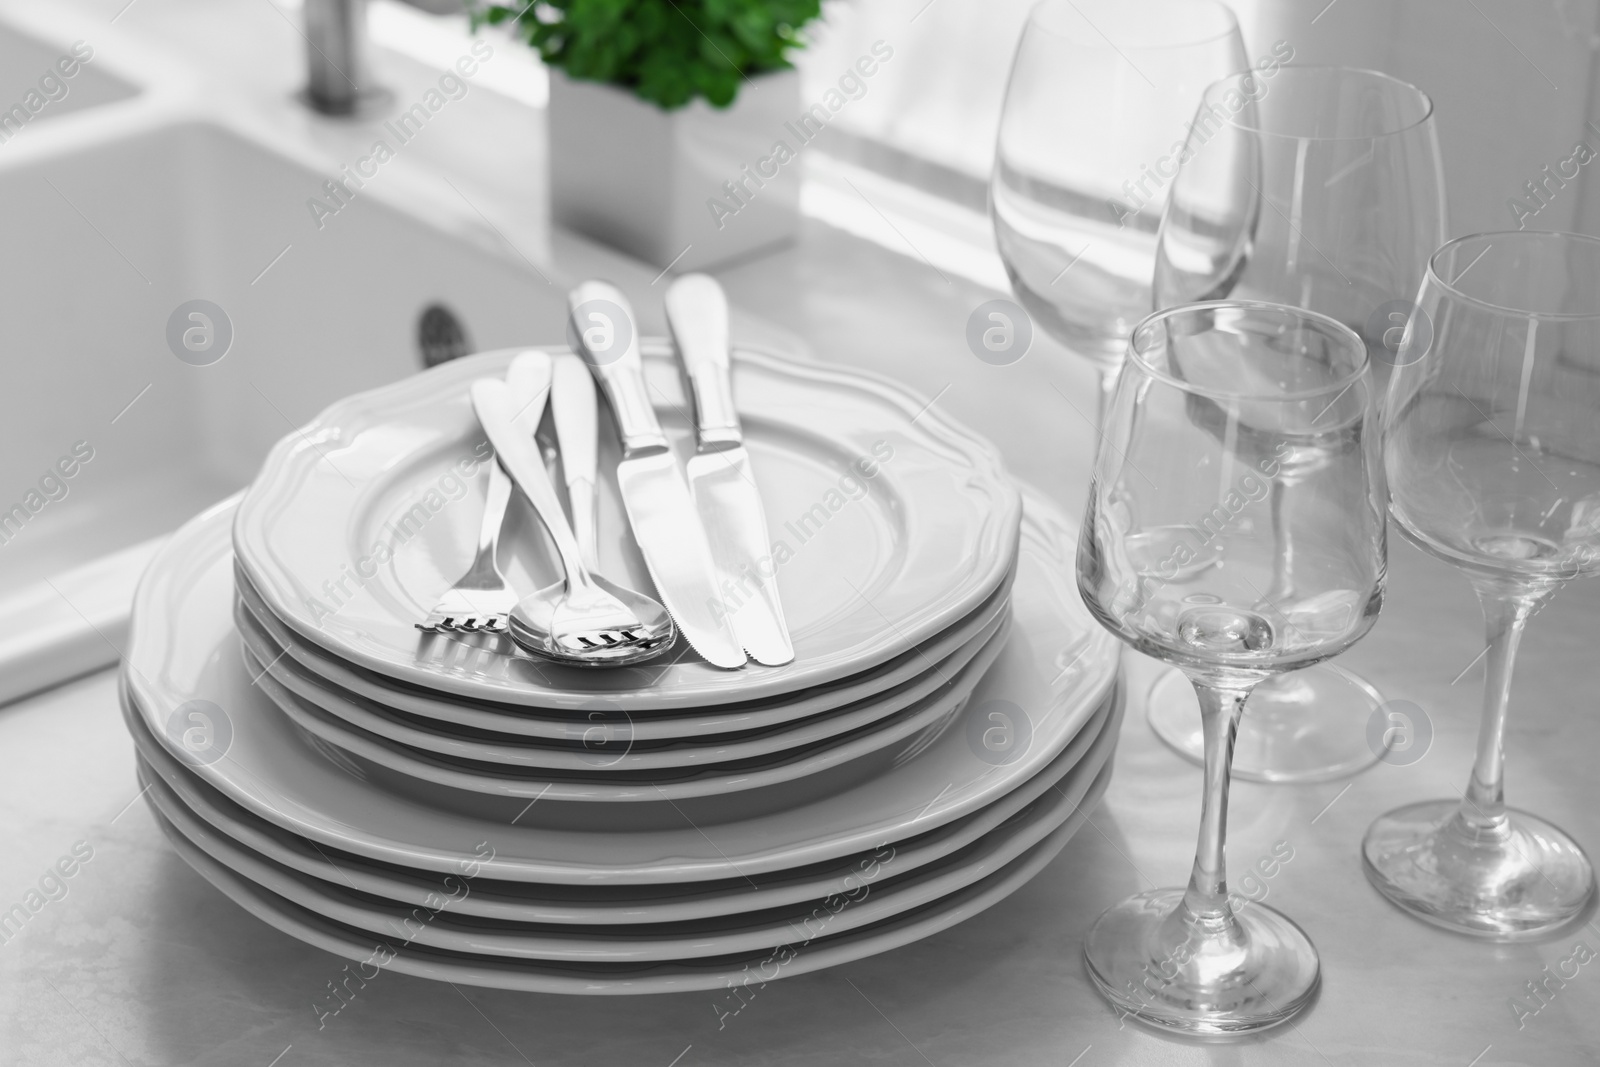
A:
697,315
603,330
577,427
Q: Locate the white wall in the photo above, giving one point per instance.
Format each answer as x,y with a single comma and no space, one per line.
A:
1513,82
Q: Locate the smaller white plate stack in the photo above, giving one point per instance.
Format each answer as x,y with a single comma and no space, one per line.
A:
444,805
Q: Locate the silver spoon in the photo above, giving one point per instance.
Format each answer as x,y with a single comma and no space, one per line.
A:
584,620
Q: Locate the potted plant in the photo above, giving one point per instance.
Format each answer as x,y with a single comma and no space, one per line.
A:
670,121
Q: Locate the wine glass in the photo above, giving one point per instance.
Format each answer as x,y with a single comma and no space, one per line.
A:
1178,557
1093,120
1493,453
1319,187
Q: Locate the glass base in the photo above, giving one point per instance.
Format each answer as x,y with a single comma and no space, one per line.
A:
1307,726
1140,960
1517,883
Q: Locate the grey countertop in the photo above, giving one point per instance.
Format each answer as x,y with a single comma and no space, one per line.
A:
142,962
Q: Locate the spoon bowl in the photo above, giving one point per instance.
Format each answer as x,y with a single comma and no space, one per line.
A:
542,623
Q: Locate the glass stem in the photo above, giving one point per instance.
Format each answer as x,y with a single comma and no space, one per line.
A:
1283,554
1505,613
1206,899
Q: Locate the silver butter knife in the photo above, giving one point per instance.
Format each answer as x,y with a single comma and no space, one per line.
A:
660,509
572,403
719,474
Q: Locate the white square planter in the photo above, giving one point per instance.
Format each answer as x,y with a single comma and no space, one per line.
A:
656,183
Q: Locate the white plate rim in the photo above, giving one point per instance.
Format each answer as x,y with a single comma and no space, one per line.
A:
337,420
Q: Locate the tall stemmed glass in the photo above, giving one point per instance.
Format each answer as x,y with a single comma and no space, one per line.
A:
1089,136
1319,187
1177,557
1493,453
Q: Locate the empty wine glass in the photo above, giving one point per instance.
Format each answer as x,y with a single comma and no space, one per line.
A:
1319,187
1493,453
1090,131
1178,556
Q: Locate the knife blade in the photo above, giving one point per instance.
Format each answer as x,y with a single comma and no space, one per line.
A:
660,509
720,478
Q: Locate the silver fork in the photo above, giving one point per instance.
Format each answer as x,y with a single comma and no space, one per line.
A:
480,601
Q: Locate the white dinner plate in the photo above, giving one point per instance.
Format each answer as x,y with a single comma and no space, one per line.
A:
176,789
602,738
360,520
903,679
544,976
881,892
1055,670
596,779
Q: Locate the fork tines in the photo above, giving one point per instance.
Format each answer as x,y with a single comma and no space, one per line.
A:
438,622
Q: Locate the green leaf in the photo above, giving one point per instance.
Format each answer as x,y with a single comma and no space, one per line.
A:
668,52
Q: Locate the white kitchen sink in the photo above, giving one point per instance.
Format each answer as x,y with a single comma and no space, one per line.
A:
102,244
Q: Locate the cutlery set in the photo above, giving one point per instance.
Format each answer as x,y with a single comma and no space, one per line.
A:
698,536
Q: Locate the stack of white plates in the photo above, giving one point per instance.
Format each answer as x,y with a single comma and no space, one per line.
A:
444,805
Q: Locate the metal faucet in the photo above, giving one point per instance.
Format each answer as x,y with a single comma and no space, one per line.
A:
336,55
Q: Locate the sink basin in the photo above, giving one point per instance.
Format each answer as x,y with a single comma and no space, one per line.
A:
116,429
35,87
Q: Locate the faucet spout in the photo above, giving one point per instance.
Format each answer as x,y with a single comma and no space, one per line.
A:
340,81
